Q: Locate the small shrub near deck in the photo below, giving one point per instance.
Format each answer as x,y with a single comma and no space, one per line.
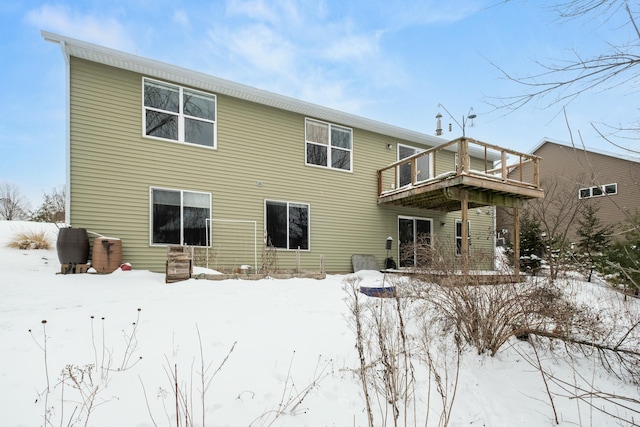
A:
30,240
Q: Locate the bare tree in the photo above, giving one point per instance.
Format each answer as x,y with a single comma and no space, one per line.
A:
52,208
13,205
557,213
570,77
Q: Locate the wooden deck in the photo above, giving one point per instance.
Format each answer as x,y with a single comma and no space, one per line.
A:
489,186
459,175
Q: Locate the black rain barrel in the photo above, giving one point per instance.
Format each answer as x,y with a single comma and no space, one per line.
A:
73,246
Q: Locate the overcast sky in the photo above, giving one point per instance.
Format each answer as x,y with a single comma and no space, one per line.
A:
391,61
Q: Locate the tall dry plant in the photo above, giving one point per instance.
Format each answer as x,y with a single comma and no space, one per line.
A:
482,316
393,350
34,239
356,307
205,257
438,256
292,397
79,389
269,258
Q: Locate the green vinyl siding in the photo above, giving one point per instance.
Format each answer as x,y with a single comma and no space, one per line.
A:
260,155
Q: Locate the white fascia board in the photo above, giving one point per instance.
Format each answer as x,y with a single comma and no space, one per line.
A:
173,73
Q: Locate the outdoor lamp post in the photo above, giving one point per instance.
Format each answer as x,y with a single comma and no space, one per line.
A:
388,262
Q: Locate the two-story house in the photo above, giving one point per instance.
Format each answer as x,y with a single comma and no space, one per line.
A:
574,176
161,155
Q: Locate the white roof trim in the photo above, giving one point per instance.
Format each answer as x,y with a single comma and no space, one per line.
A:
172,73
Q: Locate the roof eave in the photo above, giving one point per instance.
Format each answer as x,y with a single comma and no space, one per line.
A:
195,79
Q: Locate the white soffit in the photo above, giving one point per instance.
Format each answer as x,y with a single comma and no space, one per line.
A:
172,73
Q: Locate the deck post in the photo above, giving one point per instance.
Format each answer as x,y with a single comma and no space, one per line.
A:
396,181
503,165
414,171
521,172
464,250
433,166
516,244
465,152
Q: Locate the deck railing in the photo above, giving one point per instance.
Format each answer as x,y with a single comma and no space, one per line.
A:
461,156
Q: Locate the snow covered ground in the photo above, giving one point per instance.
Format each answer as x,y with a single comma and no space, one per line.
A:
124,336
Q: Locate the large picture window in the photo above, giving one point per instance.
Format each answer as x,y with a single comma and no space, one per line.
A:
179,217
179,114
328,145
287,225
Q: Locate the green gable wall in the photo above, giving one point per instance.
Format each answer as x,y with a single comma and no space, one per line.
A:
260,155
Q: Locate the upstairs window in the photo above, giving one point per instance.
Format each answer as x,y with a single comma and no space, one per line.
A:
598,190
406,172
328,145
179,114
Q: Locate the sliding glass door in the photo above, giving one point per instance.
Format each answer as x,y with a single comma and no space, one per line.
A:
414,237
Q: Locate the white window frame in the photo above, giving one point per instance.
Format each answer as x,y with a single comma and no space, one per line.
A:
180,114
151,242
414,219
459,237
585,190
288,203
430,172
601,188
329,146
